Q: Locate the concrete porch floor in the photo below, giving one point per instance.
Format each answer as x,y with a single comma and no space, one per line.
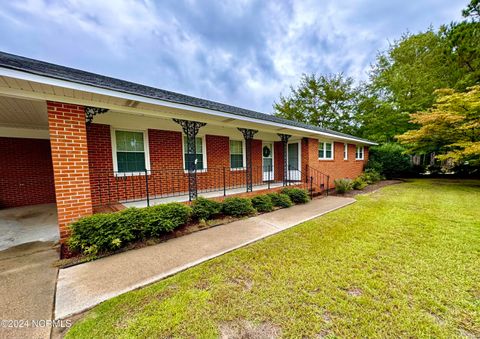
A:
215,194
20,225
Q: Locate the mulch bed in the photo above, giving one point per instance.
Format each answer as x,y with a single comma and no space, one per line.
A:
370,188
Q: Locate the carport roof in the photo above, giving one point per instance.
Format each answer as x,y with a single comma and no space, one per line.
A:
46,69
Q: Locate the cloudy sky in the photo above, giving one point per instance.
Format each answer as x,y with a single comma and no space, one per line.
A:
240,52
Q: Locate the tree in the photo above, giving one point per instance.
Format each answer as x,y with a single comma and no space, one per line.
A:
450,129
377,116
405,77
463,47
472,10
412,69
327,101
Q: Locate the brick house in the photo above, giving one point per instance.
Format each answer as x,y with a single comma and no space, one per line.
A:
85,141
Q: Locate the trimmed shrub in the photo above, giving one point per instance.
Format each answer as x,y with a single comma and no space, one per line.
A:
297,195
238,207
371,176
166,217
359,183
204,209
280,200
343,185
262,203
132,219
100,232
108,232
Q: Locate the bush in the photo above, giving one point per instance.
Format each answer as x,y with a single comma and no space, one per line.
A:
297,195
359,183
262,203
370,176
280,200
165,218
102,232
108,232
238,207
343,185
204,209
390,160
133,219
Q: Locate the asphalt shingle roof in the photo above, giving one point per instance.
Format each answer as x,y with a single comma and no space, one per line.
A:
42,68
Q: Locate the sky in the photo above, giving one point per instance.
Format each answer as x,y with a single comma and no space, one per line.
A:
240,52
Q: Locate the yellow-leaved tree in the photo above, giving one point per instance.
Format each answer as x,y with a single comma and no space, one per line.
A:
450,129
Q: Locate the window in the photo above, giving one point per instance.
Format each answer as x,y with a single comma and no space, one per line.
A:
359,153
345,151
236,154
198,158
325,150
130,151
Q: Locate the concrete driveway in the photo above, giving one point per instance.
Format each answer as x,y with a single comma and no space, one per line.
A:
27,290
27,274
25,224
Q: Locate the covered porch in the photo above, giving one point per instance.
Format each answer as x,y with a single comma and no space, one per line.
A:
72,160
143,145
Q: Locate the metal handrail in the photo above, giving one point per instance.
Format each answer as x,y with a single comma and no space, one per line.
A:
109,187
320,179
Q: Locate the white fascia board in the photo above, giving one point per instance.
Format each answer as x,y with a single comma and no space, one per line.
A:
122,95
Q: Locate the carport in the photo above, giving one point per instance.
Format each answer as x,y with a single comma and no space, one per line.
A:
27,193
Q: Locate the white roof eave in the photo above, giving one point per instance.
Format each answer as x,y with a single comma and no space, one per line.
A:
123,95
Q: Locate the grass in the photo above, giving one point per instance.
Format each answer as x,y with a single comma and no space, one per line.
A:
401,262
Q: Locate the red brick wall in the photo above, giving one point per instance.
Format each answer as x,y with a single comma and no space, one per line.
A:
100,163
68,140
166,160
218,151
26,172
336,168
166,150
168,177
278,160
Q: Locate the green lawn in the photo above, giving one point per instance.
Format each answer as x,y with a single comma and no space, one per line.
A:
401,262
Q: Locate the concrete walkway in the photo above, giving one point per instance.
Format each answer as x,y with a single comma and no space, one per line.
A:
27,289
86,285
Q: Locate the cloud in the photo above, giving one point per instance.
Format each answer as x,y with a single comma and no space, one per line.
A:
244,53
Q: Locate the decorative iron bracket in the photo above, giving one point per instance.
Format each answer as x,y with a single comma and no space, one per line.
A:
90,112
284,138
248,135
191,128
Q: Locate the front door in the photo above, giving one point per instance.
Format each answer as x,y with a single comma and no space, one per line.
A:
293,162
267,161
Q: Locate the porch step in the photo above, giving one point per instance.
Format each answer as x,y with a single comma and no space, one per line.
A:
108,209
